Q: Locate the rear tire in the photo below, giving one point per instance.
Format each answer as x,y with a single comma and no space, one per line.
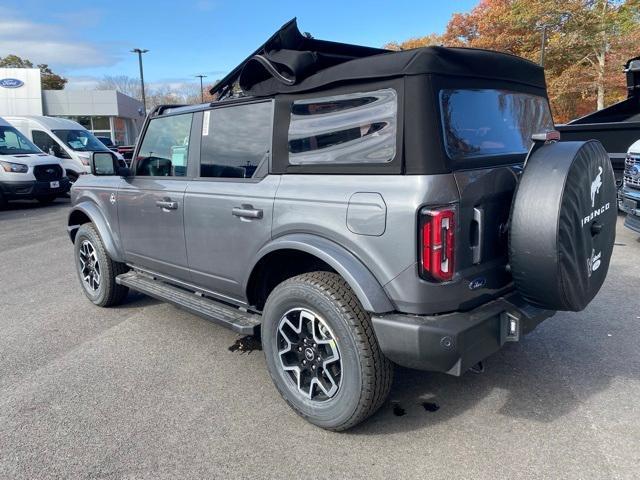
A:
352,376
96,271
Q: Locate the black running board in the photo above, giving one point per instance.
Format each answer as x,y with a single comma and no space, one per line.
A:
212,310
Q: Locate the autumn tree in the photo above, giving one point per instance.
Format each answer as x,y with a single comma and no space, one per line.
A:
587,44
49,80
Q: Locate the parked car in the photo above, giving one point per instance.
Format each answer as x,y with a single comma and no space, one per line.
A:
107,142
631,189
615,126
356,208
127,152
62,138
25,171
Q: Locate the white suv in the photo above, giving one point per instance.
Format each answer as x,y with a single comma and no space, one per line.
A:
25,171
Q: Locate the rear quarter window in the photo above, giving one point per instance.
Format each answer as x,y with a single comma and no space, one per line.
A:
485,122
352,128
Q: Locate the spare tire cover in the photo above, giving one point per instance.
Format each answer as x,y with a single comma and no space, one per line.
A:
563,225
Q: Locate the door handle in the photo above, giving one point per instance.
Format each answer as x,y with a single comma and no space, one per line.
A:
247,211
476,249
167,204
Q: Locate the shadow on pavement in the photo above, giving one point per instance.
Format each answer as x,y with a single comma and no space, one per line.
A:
540,386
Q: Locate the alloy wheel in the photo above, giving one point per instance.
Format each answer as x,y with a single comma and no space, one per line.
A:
89,266
309,354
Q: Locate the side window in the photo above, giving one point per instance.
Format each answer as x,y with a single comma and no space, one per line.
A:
344,129
42,140
236,141
165,147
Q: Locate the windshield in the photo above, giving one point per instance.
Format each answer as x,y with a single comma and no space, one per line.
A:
80,140
12,142
479,123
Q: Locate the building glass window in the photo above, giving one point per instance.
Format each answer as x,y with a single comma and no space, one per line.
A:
100,123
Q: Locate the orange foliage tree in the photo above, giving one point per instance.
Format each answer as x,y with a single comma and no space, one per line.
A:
587,43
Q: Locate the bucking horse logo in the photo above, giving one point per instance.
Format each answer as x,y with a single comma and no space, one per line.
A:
595,187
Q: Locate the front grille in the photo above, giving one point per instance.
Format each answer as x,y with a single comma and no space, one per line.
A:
632,171
46,173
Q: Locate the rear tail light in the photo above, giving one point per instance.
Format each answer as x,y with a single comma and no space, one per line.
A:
437,242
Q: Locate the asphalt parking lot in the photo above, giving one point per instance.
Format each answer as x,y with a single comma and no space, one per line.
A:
148,391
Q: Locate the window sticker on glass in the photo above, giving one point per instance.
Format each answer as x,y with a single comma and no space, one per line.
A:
205,123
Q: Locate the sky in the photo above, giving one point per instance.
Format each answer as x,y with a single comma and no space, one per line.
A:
86,40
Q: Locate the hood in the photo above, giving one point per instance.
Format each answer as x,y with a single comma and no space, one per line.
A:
635,148
32,159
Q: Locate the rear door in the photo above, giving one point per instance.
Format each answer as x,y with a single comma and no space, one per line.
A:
487,133
151,203
229,205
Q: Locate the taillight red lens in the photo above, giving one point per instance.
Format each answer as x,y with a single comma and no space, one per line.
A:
437,236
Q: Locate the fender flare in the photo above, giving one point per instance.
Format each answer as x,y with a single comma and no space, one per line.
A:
104,227
366,287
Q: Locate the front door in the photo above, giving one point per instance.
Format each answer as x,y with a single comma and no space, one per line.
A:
229,206
151,203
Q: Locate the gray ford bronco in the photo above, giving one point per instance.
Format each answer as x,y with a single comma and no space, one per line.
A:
357,208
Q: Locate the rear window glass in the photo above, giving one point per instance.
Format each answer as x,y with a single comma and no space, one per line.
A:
343,129
480,123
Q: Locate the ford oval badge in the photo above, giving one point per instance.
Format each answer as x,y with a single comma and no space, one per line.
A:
477,283
11,83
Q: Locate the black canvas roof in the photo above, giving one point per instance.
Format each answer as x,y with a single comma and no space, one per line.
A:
291,62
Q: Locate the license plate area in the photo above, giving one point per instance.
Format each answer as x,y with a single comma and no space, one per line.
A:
55,184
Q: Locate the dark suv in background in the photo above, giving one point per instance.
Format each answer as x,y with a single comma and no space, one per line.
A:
356,208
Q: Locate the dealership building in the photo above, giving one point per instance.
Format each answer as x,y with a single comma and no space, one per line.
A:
107,113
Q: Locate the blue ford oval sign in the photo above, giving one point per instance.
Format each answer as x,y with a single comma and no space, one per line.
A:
11,83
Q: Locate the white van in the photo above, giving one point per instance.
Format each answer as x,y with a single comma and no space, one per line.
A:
25,171
66,139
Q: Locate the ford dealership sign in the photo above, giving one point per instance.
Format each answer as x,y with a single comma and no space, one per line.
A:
11,83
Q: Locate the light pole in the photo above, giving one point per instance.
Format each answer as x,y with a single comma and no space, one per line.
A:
544,45
201,91
140,52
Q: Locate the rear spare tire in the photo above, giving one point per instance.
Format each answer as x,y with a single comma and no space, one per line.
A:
563,225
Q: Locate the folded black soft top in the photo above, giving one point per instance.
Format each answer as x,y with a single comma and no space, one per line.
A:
292,62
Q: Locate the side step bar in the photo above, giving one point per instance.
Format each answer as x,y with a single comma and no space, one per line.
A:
212,310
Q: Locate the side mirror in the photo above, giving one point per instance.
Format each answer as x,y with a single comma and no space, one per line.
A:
106,163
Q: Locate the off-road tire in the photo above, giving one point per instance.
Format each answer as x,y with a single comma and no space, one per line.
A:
109,293
366,373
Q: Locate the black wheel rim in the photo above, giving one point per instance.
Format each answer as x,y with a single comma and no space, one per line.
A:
309,354
90,271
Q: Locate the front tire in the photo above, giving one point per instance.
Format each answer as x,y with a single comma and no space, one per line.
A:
96,271
322,353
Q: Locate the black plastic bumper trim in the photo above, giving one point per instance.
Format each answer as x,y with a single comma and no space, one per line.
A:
32,189
454,342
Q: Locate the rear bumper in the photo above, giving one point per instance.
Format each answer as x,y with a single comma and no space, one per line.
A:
32,189
454,342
